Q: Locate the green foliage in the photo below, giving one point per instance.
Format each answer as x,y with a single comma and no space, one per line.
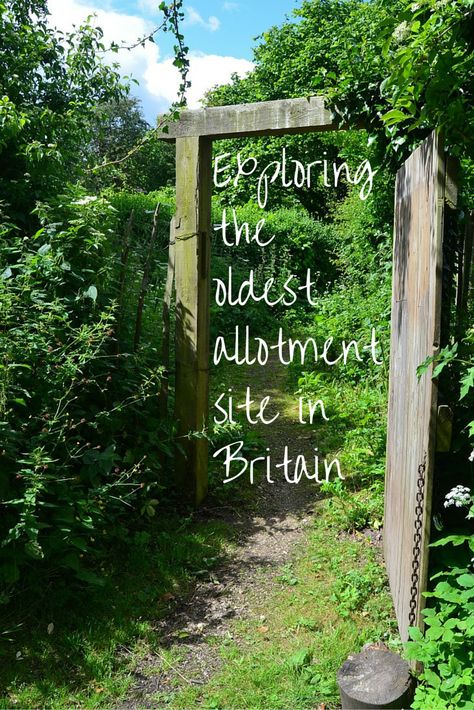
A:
300,243
353,510
430,65
356,588
117,129
447,646
67,398
458,357
400,68
50,84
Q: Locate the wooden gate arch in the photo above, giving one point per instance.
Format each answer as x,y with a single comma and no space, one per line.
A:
423,185
193,133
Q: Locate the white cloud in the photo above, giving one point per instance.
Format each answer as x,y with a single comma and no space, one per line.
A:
230,6
206,70
151,6
159,79
117,27
194,18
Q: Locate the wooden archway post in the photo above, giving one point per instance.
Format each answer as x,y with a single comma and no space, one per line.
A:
193,133
192,226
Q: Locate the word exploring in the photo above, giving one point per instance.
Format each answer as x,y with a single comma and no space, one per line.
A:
292,173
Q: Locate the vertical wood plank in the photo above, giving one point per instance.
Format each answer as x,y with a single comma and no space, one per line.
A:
415,335
192,249
165,343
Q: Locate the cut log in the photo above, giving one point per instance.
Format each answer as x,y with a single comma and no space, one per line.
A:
375,678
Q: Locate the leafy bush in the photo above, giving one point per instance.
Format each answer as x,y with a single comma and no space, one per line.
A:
68,401
447,647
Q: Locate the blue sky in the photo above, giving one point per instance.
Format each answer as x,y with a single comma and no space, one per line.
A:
220,35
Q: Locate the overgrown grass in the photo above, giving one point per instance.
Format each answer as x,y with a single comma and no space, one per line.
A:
326,604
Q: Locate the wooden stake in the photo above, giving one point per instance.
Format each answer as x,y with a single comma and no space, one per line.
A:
165,343
192,248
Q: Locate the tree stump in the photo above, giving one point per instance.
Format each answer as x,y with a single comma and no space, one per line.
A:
375,678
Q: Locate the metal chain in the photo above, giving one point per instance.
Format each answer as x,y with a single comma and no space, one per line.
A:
417,537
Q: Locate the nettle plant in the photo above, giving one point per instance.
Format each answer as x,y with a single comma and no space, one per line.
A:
446,648
68,399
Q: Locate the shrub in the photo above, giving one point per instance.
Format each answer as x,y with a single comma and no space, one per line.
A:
67,400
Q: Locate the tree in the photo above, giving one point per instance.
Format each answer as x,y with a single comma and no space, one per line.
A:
50,84
400,69
117,129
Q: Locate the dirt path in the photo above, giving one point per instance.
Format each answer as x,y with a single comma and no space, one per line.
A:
266,539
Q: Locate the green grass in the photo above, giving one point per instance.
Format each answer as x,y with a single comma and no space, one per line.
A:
324,606
101,633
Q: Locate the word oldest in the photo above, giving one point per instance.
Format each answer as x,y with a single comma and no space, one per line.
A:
228,292
293,469
292,173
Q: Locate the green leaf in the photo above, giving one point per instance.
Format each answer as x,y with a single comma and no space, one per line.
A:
455,540
466,580
467,382
415,633
430,677
394,116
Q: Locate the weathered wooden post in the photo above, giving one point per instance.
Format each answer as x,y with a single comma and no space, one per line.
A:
193,134
192,246
422,187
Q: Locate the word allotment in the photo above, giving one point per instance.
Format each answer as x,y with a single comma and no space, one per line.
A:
242,348
290,350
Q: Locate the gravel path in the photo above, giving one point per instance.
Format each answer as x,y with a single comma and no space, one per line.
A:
266,539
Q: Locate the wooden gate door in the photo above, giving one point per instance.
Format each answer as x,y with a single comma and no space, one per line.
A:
415,335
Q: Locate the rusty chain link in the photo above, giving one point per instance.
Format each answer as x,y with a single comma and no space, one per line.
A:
417,537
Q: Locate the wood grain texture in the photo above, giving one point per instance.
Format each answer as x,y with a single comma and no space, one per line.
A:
192,226
255,119
415,335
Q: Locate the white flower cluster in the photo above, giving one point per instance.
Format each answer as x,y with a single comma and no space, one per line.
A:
85,200
458,496
401,31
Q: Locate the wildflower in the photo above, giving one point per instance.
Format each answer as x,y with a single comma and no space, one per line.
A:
458,496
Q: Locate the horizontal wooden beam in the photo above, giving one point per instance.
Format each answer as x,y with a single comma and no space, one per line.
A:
263,118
